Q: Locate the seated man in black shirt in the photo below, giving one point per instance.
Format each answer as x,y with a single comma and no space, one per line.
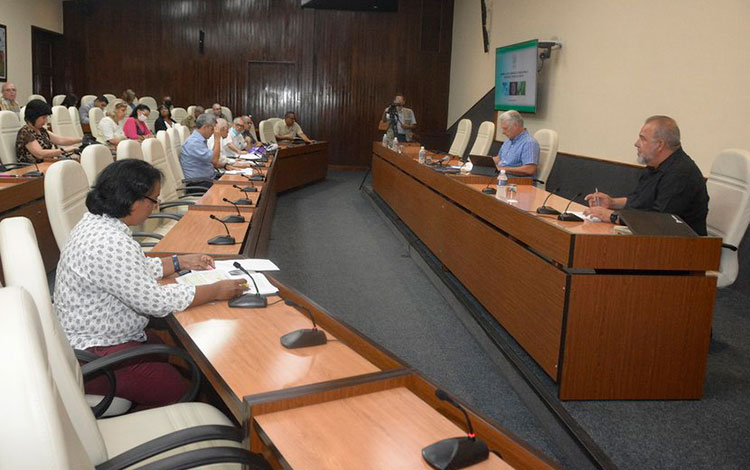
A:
670,183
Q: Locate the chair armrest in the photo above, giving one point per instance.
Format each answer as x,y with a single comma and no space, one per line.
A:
107,362
148,235
198,180
729,247
100,408
197,189
202,457
13,166
168,204
165,215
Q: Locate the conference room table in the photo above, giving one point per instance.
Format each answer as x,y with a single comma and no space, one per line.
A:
606,316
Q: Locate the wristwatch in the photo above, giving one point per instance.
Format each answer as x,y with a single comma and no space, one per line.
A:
613,217
176,263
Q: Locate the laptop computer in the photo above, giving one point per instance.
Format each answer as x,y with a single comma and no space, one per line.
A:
483,165
656,223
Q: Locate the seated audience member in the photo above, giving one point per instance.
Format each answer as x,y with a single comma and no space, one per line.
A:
249,131
199,163
288,129
216,109
128,96
8,101
34,143
189,121
69,100
135,127
164,121
107,289
167,101
670,183
235,133
100,102
519,154
227,151
111,125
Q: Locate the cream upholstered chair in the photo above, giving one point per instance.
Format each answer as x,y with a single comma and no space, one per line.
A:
461,140
9,126
94,159
95,116
267,135
547,139
485,136
65,190
728,187
191,108
178,114
156,155
170,141
129,149
86,99
61,122
154,112
110,97
184,133
37,97
21,115
57,100
76,118
226,112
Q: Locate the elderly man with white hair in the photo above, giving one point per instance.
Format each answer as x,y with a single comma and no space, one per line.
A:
519,154
8,101
228,152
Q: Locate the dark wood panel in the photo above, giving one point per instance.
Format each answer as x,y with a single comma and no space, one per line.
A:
618,347
300,165
345,66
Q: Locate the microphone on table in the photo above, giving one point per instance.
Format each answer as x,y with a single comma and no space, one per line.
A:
251,188
232,219
456,452
567,216
34,173
545,209
444,160
242,202
221,239
259,177
248,300
487,189
303,338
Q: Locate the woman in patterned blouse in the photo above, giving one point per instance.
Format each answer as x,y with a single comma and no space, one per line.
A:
34,143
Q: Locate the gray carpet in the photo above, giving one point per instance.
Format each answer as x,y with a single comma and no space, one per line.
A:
332,245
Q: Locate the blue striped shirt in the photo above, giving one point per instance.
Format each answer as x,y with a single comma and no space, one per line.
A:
521,150
196,158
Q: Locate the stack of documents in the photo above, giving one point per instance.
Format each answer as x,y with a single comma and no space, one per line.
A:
226,270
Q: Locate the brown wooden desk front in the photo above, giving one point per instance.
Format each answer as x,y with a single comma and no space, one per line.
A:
606,316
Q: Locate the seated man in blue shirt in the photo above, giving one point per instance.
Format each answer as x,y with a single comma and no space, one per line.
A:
199,163
519,155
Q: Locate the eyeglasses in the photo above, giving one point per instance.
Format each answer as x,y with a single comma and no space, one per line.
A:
155,201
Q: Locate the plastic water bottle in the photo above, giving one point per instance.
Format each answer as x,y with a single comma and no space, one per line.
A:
395,144
502,184
385,140
422,154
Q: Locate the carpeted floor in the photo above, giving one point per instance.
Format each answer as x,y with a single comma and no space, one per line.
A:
333,245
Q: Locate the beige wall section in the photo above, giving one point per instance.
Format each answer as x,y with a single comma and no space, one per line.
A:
621,61
18,16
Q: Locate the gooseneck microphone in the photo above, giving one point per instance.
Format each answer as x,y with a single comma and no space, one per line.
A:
303,338
34,173
545,209
232,219
487,189
242,202
251,188
567,216
221,239
248,300
456,452
259,177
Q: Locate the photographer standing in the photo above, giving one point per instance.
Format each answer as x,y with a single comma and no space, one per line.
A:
400,120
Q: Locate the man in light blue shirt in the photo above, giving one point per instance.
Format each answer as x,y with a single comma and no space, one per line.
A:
519,155
197,160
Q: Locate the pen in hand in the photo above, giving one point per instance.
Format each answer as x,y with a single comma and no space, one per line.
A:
596,191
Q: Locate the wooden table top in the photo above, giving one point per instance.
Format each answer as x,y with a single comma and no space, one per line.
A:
213,198
378,431
191,234
21,171
243,346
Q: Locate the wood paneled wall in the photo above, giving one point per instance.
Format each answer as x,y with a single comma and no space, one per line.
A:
337,69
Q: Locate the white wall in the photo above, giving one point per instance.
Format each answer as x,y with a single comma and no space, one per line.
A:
18,16
621,61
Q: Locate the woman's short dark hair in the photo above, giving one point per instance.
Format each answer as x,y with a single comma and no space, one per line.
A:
120,185
140,107
70,100
36,109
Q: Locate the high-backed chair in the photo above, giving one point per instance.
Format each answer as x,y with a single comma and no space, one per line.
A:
153,114
95,116
485,136
57,100
170,141
178,114
728,187
9,126
21,115
267,135
94,159
156,155
110,97
226,112
65,190
76,118
37,97
86,99
461,140
547,139
61,122
129,149
190,109
184,132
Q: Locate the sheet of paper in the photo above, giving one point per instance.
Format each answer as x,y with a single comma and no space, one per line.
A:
253,264
244,171
199,278
250,156
589,218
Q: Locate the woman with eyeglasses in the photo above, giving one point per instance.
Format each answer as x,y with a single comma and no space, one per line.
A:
106,288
